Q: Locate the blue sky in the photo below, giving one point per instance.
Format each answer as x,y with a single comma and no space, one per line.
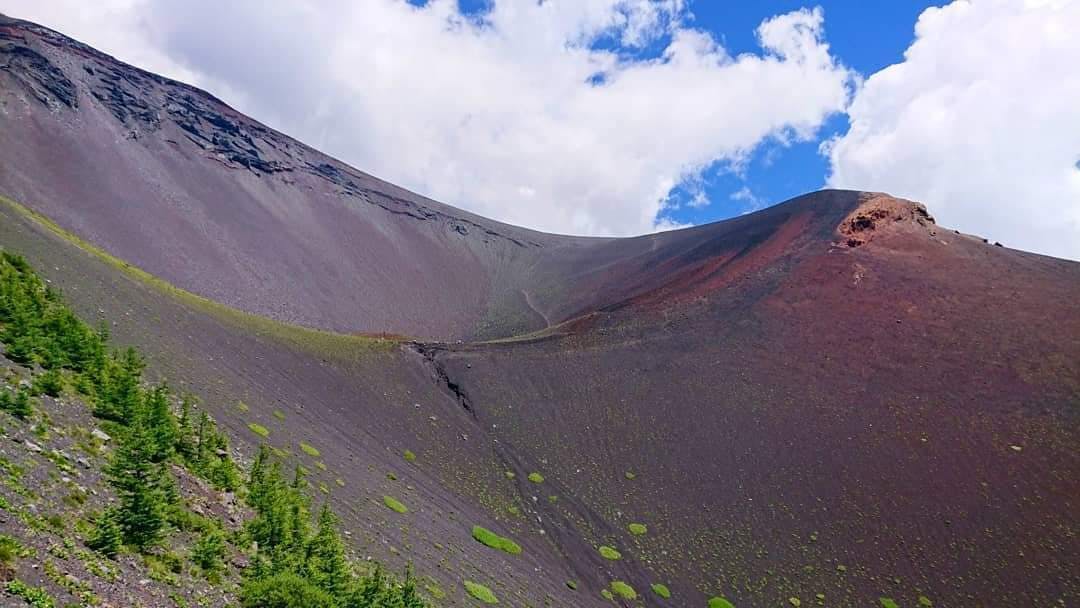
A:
865,36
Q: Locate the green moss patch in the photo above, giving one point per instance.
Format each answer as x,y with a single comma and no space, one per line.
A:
661,590
259,429
638,529
480,592
609,553
623,590
394,505
493,540
309,449
719,602
409,456
536,478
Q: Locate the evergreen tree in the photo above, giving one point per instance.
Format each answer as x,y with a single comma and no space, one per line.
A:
107,536
185,433
209,551
142,481
327,565
160,422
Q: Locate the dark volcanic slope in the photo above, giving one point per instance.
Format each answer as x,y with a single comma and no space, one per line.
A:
832,396
170,178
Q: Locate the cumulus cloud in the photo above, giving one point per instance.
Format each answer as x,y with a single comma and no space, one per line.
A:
571,116
980,121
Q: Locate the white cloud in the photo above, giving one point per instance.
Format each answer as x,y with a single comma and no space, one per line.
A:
496,114
981,121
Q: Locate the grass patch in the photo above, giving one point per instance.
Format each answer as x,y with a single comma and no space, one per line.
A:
623,590
259,429
347,347
409,456
609,553
394,505
481,592
638,529
536,478
719,602
309,449
661,590
493,540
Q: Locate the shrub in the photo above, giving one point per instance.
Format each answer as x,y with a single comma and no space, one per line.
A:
37,598
638,529
285,590
661,590
409,456
719,602
309,449
493,540
536,478
50,383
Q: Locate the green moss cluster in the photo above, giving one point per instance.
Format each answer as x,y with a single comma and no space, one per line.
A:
394,505
609,553
481,592
493,540
258,429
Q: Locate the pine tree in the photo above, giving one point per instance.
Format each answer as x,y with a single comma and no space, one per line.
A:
161,423
327,565
185,433
143,483
107,536
209,551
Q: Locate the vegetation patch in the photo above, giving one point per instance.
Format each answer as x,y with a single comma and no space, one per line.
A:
409,456
623,590
309,449
661,590
493,540
638,529
609,553
481,592
259,429
280,415
719,602
394,505
536,478
887,602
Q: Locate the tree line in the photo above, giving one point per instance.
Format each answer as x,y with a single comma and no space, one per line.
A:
299,559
